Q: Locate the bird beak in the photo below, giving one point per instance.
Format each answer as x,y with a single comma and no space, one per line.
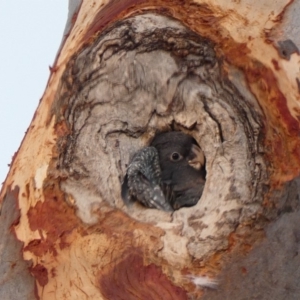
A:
196,158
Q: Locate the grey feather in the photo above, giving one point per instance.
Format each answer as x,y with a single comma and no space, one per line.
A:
143,179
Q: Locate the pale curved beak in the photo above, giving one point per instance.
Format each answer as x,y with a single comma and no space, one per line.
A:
196,158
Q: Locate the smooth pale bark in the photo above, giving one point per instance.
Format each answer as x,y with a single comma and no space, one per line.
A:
224,72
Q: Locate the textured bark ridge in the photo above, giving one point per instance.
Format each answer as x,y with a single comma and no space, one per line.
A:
150,73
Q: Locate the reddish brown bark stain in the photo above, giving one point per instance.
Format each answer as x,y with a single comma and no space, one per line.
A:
61,128
108,14
40,273
275,64
131,280
40,247
126,276
182,10
54,217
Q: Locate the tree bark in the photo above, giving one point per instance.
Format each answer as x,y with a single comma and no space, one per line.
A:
225,73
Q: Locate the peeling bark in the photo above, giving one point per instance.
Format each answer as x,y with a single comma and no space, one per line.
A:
125,72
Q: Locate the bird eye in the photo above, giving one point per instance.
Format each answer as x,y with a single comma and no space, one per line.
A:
175,156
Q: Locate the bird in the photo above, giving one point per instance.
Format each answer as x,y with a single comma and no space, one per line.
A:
167,175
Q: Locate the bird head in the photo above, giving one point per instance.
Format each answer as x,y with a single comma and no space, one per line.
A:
182,165
178,150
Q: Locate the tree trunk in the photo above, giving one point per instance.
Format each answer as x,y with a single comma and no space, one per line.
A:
225,73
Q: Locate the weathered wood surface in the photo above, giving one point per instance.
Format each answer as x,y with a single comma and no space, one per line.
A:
224,72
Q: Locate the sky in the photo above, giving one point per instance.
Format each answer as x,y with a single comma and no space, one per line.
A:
30,35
